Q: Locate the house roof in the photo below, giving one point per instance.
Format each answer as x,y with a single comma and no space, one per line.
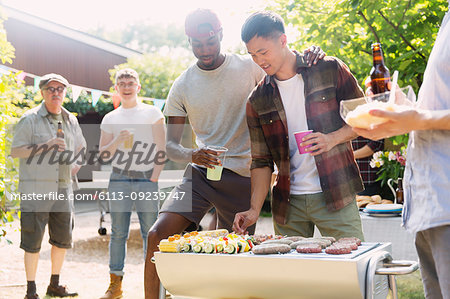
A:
70,33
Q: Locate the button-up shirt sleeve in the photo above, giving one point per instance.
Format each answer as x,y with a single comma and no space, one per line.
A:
347,85
261,156
22,133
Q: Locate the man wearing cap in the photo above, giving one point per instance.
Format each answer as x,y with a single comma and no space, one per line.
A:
47,166
212,94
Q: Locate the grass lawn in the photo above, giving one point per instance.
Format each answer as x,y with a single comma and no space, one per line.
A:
410,286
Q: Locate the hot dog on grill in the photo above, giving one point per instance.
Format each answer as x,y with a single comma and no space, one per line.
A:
277,241
271,248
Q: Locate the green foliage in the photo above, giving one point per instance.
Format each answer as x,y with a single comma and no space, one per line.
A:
346,29
6,49
84,104
401,140
156,72
147,38
8,115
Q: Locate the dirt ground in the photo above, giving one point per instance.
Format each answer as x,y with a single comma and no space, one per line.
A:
85,269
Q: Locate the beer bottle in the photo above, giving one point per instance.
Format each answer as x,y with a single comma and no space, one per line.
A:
60,132
399,191
379,74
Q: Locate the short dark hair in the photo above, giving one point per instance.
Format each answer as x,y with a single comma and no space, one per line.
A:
264,24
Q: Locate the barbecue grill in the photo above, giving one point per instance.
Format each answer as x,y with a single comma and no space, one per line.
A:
368,272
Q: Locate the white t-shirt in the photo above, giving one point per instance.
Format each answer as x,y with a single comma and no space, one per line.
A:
214,101
304,174
139,118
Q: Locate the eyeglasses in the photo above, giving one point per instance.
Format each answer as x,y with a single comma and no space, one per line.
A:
59,89
127,85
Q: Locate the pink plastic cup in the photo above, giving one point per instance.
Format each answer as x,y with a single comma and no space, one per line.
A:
298,137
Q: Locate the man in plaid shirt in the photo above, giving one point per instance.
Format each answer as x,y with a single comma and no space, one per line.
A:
311,189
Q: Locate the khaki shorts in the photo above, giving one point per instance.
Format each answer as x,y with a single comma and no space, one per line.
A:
307,210
197,195
32,223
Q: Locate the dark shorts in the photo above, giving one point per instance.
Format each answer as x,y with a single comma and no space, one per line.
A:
60,224
197,195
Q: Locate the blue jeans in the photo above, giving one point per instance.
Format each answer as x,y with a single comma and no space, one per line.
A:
126,193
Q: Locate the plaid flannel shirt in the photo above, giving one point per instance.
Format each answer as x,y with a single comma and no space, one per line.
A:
326,84
368,174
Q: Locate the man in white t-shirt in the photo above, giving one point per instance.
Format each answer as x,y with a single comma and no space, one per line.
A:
132,136
212,94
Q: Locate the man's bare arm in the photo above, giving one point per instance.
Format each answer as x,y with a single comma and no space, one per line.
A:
36,149
260,180
405,122
178,153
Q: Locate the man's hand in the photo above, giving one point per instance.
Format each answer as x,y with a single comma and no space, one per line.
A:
313,54
320,143
243,220
399,123
400,97
59,142
205,157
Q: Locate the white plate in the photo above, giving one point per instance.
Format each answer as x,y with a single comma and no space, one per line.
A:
388,207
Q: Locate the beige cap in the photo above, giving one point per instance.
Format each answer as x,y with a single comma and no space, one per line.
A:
52,77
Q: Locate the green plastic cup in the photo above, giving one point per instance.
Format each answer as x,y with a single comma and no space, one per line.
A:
215,174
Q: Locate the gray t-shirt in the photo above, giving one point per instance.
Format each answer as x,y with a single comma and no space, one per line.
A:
214,101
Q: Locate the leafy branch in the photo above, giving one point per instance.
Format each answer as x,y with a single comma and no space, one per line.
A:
401,35
369,25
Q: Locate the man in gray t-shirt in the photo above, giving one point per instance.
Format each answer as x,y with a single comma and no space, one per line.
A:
212,94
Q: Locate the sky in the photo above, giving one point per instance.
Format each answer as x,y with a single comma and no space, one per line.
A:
88,14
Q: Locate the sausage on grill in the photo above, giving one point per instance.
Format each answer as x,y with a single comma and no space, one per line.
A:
309,248
277,241
271,248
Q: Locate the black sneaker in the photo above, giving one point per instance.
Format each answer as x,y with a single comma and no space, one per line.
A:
60,291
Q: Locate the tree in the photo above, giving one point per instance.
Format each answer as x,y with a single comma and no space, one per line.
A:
144,37
156,72
407,30
8,115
